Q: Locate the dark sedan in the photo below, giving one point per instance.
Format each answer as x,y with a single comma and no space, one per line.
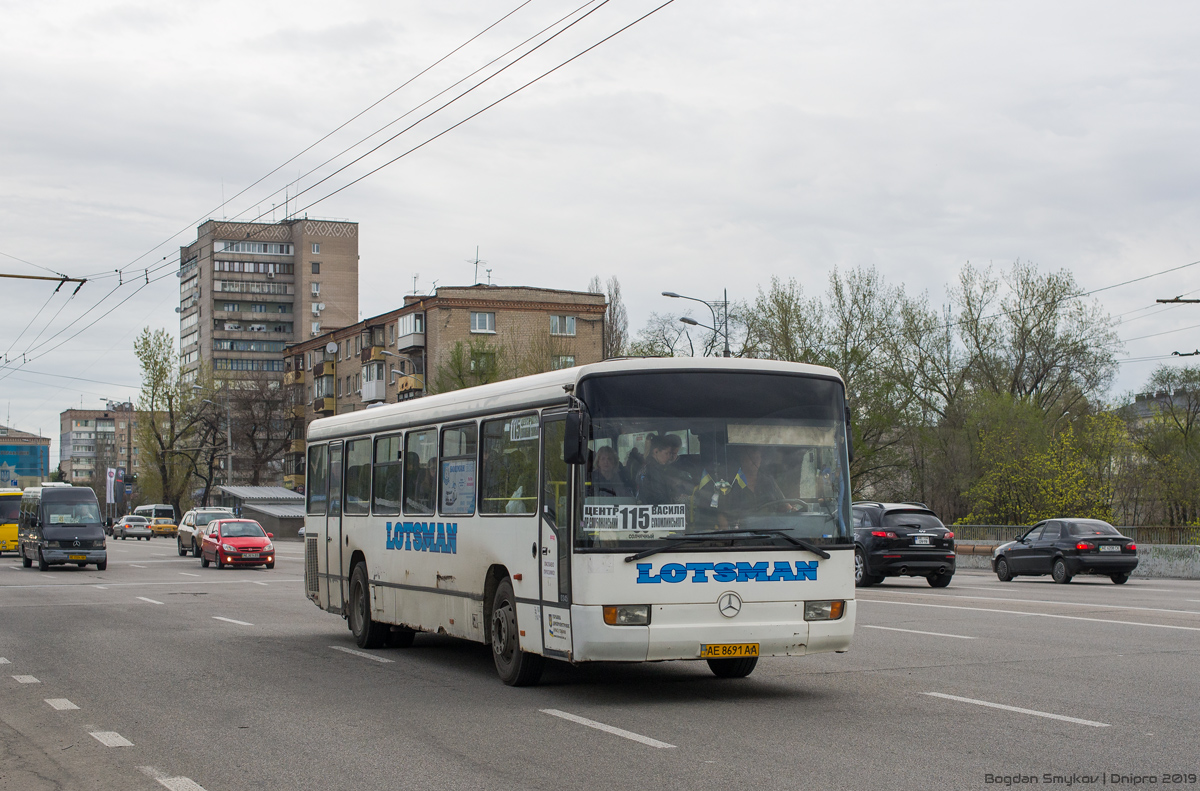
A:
901,539
1063,548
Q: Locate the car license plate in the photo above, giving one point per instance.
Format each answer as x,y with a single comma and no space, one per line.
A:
77,557
249,554
728,650
1110,548
921,540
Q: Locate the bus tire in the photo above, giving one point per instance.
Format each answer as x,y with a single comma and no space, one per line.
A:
367,633
42,564
102,565
515,667
26,561
733,668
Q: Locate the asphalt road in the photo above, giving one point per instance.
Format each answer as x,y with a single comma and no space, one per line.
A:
231,679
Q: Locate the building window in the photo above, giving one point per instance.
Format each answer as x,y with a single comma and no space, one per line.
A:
259,307
562,325
339,381
316,248
232,307
358,383
316,266
562,361
483,322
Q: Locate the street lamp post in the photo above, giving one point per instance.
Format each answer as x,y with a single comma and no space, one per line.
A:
724,331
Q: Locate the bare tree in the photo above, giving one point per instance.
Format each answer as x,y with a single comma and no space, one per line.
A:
262,427
663,336
616,320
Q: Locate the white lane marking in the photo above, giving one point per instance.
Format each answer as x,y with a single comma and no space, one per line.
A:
101,587
26,680
4,661
916,631
152,601
172,783
143,584
1019,710
1032,614
600,726
187,574
61,704
1051,601
111,739
230,620
363,654
136,566
258,583
15,568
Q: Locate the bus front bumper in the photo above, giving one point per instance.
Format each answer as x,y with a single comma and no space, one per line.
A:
56,557
678,631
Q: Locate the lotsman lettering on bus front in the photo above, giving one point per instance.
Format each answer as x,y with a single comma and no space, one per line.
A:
762,571
423,537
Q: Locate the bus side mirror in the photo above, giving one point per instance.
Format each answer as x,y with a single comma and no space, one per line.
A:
578,427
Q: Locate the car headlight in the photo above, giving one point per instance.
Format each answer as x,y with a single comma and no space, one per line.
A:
627,615
269,547
824,610
228,548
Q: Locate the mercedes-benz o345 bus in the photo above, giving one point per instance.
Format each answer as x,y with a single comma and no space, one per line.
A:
631,510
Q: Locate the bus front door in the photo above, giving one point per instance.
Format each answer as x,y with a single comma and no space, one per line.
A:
334,582
555,541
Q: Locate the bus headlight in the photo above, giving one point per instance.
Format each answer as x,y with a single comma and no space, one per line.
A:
627,615
824,610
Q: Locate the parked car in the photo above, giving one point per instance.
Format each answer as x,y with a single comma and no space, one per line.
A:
237,542
901,540
136,526
190,534
162,526
1063,548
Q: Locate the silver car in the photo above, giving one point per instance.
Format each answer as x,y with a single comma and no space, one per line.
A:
136,526
192,528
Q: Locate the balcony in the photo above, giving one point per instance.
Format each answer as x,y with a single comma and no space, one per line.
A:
374,391
296,446
293,378
298,411
412,384
325,406
371,354
294,482
327,368
413,340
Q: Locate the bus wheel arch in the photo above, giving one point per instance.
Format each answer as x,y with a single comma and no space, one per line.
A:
368,633
491,581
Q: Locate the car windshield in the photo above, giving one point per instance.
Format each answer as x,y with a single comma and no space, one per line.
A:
241,530
71,513
204,519
684,454
1093,529
911,519
9,508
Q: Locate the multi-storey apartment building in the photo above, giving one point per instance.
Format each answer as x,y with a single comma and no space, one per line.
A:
91,440
24,458
247,290
456,337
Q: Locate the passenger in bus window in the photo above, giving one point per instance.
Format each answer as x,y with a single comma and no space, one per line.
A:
606,475
753,490
659,484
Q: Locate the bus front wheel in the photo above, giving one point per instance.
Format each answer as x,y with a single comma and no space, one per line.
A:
367,633
515,667
733,668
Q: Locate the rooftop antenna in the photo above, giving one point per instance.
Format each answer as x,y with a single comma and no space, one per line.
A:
489,274
477,262
415,283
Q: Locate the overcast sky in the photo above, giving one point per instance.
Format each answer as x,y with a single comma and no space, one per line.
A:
710,146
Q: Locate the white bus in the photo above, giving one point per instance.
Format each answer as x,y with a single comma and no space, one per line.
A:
631,510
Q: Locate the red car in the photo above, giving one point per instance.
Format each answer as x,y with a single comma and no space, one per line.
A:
237,542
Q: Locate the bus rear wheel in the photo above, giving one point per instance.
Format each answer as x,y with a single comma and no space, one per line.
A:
515,667
733,668
367,633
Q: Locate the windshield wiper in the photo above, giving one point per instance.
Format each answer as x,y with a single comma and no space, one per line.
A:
731,535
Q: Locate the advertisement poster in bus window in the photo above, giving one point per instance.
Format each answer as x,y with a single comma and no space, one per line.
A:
458,487
633,522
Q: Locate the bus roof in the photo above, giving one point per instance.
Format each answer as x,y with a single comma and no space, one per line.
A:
538,390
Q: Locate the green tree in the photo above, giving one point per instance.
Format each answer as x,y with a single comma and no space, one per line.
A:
472,363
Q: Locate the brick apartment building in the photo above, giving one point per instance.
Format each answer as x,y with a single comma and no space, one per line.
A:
248,290
452,338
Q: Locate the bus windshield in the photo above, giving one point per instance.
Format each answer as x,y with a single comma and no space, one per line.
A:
758,457
60,513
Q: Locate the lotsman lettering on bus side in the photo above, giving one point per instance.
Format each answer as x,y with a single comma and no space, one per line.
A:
782,571
423,536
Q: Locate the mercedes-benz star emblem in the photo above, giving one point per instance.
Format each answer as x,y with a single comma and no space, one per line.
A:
729,604
76,543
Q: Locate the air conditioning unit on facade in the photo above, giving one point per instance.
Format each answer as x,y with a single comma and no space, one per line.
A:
270,273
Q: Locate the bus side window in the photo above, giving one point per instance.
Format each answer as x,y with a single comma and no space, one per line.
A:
457,484
358,477
510,466
420,471
318,478
385,493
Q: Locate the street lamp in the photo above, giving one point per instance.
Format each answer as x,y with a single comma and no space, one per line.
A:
725,307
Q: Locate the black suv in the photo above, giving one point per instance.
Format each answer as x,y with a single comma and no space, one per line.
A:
898,540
